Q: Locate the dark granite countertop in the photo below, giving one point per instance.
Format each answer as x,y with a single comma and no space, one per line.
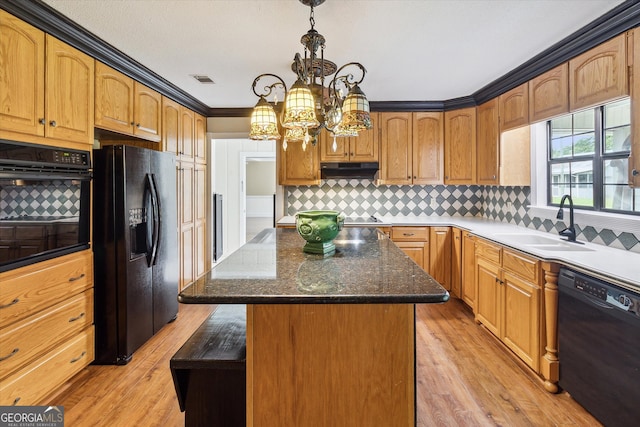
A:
366,268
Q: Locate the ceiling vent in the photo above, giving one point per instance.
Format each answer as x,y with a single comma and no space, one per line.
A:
203,79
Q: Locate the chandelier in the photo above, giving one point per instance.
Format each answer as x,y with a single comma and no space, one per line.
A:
309,106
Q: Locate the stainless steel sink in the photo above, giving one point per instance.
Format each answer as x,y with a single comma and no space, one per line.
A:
562,247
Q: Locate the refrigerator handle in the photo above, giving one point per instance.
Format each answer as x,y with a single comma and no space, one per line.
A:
152,251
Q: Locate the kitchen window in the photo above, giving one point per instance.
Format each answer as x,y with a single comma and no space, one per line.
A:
588,158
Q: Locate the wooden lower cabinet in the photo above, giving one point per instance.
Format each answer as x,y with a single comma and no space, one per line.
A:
508,299
46,326
456,262
468,291
414,241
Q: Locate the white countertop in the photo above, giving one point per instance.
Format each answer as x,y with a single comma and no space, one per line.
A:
615,265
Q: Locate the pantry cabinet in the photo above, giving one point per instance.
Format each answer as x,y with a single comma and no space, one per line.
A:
47,88
46,326
599,75
488,138
361,148
460,146
514,107
549,94
508,299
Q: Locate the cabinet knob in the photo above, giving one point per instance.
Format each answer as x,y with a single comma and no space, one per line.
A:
635,172
41,121
133,123
352,154
446,177
414,177
346,154
493,177
53,123
137,125
408,177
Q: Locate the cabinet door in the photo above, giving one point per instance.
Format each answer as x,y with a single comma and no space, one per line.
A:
186,141
147,113
298,166
488,295
200,139
364,147
69,96
440,255
599,75
200,202
468,269
428,148
22,78
521,331
171,121
396,136
634,157
114,100
327,152
514,108
186,222
549,94
456,262
417,251
487,143
460,146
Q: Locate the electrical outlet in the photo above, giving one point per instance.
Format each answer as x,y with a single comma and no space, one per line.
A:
510,208
434,203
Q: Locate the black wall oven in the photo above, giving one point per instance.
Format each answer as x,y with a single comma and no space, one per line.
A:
45,203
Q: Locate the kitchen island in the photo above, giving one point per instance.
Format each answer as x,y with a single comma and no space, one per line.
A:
330,340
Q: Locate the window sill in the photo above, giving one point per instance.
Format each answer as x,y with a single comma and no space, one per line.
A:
612,221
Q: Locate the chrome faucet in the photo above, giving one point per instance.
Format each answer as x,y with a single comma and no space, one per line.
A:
570,231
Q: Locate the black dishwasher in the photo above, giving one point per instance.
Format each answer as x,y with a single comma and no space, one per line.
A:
599,347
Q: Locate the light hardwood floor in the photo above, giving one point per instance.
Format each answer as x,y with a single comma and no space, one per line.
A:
465,377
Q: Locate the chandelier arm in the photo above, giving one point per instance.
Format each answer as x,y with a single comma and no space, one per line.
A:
348,78
267,90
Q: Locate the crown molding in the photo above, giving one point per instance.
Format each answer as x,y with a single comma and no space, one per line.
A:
618,20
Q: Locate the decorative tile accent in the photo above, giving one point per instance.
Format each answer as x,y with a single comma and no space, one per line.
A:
506,204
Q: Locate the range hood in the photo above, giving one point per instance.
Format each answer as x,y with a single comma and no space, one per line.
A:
349,170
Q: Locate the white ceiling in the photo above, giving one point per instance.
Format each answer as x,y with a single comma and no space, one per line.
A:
414,50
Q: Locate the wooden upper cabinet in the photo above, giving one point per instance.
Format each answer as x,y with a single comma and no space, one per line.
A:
114,99
69,93
361,148
170,125
488,138
298,166
515,157
200,138
549,94
634,157
186,142
147,113
428,148
514,107
460,146
599,75
22,78
396,136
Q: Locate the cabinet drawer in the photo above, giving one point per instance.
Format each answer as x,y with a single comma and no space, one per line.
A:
410,234
21,342
36,380
30,231
489,251
522,265
29,289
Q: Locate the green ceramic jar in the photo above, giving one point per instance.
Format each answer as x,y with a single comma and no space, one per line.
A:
319,228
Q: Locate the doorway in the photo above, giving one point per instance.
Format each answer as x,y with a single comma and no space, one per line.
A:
258,189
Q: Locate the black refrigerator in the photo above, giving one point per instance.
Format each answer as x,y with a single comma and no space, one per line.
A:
135,244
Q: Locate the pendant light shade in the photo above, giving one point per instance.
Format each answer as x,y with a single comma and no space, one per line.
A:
299,107
355,111
264,123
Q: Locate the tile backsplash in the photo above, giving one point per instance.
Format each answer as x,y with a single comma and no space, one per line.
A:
362,197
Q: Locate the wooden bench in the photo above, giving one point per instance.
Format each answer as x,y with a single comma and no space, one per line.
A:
209,370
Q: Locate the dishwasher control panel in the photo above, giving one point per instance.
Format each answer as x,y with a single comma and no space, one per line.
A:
593,289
